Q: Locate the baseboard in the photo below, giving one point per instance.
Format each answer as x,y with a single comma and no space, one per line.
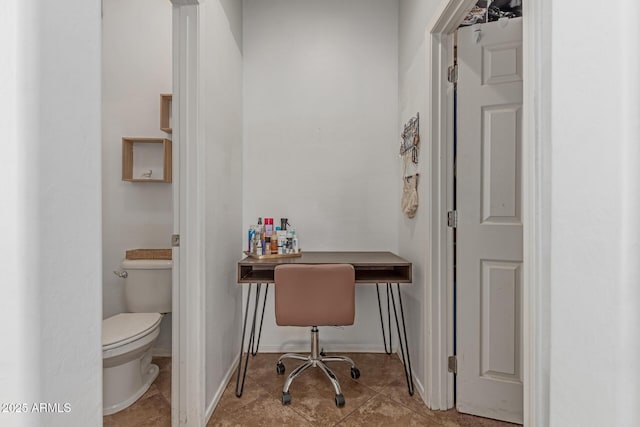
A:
160,352
419,387
218,394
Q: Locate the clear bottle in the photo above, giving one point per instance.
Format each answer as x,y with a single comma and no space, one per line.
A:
288,243
267,246
295,244
258,244
280,237
274,242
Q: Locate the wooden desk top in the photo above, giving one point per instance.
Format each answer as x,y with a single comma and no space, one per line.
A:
370,267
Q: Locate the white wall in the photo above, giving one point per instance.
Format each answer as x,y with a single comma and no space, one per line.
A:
136,69
221,129
50,168
595,227
415,17
320,137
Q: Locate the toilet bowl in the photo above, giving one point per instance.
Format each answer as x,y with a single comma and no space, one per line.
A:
127,341
128,338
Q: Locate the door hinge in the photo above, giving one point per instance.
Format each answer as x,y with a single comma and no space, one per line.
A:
452,219
452,73
175,240
452,364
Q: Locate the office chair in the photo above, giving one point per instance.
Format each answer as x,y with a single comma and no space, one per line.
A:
314,295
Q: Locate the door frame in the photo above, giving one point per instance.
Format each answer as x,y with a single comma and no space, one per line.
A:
439,311
188,329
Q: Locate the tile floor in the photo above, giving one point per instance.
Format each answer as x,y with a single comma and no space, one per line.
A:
378,398
153,409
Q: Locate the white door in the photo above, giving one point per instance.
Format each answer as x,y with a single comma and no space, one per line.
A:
489,232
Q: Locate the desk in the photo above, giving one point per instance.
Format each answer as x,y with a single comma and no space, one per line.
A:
370,267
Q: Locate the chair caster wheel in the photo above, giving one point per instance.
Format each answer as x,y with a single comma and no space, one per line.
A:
280,368
286,398
355,373
339,400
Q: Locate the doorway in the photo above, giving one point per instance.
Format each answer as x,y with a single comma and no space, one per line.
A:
439,318
487,235
138,211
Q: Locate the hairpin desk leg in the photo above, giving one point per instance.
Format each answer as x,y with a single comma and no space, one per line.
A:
404,345
252,345
384,334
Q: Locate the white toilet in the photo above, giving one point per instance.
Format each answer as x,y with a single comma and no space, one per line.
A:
128,338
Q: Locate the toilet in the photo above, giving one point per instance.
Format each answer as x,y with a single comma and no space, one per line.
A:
128,338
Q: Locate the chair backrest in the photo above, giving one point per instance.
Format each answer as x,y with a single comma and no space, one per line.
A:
315,294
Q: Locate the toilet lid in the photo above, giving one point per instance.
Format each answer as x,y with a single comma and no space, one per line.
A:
126,327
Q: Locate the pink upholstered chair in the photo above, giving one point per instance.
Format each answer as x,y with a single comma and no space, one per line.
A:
315,295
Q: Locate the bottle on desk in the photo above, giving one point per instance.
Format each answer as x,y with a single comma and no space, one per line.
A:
267,246
295,244
288,247
274,243
282,238
268,226
251,240
257,244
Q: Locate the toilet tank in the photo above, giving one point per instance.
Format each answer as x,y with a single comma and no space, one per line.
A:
147,287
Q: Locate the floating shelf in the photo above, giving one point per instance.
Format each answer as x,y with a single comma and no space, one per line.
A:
142,157
165,112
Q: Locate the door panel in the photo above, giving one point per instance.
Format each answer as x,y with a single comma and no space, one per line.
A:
500,287
489,232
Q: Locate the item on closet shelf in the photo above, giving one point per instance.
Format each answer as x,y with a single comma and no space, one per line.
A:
477,15
410,195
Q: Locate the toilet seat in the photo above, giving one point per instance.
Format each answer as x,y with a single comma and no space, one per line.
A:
124,328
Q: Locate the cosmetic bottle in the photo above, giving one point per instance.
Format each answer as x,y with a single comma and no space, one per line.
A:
295,246
274,243
288,246
258,245
268,226
252,231
267,246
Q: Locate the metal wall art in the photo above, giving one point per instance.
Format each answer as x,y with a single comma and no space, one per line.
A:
410,147
411,138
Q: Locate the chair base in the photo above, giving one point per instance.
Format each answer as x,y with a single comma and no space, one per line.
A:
316,359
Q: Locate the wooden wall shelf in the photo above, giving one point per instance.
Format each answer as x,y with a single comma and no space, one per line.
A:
165,112
134,168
